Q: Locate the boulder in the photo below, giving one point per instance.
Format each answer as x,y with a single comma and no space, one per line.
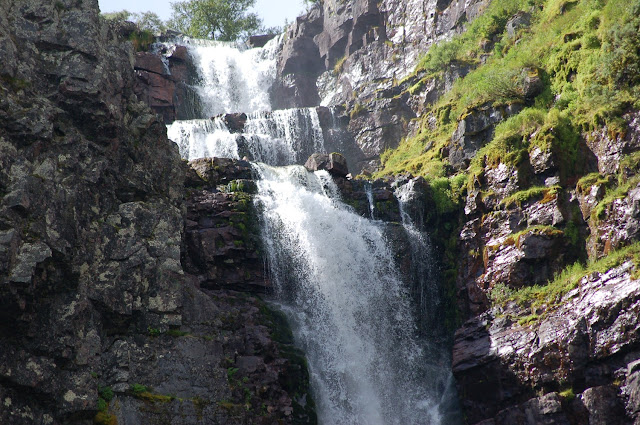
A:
475,129
334,163
261,40
235,122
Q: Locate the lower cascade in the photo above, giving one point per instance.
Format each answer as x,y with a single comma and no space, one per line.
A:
336,279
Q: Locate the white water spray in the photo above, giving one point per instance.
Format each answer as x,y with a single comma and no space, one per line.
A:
234,78
351,312
282,137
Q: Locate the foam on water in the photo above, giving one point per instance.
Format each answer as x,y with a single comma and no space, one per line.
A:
351,312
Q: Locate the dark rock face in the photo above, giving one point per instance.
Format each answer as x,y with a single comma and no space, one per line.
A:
98,318
352,53
162,81
334,163
222,238
589,341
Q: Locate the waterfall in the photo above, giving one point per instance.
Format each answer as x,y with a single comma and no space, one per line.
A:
281,137
422,272
233,78
335,273
368,187
336,279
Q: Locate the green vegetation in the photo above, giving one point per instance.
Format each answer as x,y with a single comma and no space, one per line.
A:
146,21
145,393
105,395
357,110
138,389
224,20
567,394
539,193
612,194
104,418
338,67
585,56
550,295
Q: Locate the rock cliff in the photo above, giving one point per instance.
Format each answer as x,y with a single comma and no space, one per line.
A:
105,314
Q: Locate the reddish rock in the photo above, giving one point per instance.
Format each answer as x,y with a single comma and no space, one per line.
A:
150,62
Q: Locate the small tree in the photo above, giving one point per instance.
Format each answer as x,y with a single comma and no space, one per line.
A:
146,21
225,20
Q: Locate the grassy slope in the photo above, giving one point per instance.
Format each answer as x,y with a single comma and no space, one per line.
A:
588,57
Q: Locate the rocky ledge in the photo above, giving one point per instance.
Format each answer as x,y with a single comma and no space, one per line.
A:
574,364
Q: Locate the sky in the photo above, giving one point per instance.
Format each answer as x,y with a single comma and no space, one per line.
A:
272,12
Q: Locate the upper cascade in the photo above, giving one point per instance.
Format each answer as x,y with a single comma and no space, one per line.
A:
232,77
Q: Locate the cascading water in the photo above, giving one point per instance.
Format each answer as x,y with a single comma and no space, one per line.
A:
422,271
334,271
232,77
350,311
278,138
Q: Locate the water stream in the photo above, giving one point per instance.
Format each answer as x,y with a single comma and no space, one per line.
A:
352,315
334,272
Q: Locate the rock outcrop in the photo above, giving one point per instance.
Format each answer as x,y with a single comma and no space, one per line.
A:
163,80
582,355
354,53
99,320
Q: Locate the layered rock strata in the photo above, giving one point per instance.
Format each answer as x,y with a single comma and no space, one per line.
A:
99,321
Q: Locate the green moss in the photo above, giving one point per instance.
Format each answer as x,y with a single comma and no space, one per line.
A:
106,393
585,184
142,40
136,389
542,193
104,418
550,295
567,394
339,66
614,193
357,110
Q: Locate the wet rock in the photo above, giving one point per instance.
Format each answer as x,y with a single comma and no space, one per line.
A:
334,163
260,40
162,79
216,171
235,122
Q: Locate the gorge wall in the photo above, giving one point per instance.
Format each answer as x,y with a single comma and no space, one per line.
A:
103,319
129,279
